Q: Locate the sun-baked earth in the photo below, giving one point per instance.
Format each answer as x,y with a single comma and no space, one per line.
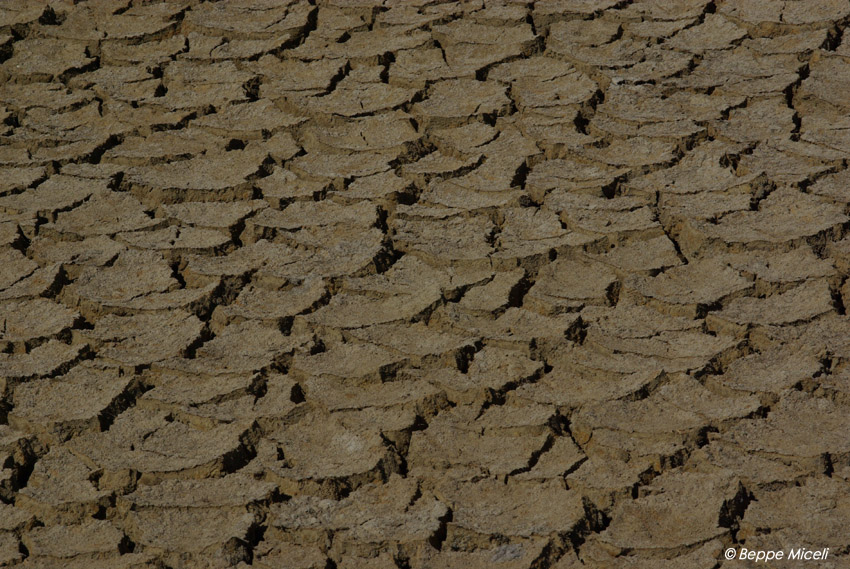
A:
423,285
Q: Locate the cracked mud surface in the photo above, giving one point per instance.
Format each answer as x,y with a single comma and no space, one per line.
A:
417,285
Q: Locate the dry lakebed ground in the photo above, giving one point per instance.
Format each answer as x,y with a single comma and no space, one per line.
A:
417,284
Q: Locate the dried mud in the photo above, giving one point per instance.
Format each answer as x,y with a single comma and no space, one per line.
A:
418,284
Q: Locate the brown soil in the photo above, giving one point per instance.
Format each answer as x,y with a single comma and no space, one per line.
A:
415,284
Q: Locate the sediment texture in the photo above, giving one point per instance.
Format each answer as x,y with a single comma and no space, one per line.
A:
420,285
